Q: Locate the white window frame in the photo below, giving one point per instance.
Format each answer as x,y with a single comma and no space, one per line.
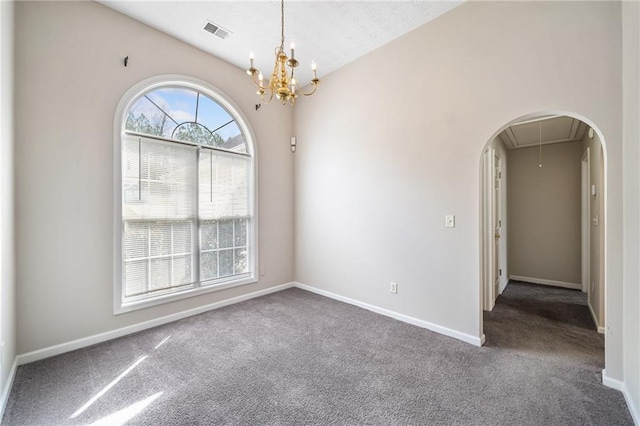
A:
120,305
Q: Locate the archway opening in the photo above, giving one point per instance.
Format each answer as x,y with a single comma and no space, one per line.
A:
558,164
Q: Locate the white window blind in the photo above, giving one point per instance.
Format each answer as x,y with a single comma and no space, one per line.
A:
223,213
159,215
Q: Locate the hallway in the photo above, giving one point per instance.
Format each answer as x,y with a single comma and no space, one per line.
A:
545,322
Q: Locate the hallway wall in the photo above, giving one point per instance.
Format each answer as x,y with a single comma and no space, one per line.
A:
544,214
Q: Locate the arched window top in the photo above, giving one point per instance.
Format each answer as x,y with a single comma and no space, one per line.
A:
185,114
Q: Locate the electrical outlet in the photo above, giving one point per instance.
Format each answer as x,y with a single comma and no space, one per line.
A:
263,271
394,288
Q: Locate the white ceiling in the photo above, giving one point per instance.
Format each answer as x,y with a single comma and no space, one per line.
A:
331,33
543,130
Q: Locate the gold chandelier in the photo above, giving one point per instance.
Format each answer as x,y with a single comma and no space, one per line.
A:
283,83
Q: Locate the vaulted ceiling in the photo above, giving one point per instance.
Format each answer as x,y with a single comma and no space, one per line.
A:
331,33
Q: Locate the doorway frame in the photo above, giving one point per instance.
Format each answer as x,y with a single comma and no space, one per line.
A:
610,347
490,254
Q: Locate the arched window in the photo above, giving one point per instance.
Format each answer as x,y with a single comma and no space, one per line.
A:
186,195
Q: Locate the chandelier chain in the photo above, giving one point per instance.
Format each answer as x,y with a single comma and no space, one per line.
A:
282,25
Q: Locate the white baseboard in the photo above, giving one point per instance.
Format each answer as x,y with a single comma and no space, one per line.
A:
611,383
109,335
595,318
503,285
6,390
620,386
574,286
477,341
633,409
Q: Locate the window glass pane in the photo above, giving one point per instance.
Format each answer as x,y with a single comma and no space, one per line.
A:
157,245
196,133
160,274
145,117
182,270
182,238
209,265
179,103
240,261
160,234
240,226
211,114
167,181
136,240
187,115
209,235
136,277
224,185
226,233
226,263
233,138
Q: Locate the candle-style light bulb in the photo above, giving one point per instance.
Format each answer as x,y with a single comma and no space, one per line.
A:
314,68
260,79
251,56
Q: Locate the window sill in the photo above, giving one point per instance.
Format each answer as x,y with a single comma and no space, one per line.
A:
172,297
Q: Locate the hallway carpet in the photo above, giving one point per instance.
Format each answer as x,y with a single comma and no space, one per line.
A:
296,358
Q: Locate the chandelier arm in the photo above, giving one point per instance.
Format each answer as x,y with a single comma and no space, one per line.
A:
257,82
265,100
315,87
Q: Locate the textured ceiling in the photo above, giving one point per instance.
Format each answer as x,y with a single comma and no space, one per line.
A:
331,33
543,130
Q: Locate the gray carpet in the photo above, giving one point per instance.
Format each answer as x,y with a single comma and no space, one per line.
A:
295,358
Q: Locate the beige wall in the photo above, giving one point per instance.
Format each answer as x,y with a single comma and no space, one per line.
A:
631,125
69,80
381,161
7,246
596,228
544,213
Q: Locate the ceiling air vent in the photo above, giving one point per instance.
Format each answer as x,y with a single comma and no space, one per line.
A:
216,30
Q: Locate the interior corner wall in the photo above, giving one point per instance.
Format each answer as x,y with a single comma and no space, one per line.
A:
385,152
7,242
596,230
69,80
631,126
545,213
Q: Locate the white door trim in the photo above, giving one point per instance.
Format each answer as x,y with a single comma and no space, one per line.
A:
488,246
586,222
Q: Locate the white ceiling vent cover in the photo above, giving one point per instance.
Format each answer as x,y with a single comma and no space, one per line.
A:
216,30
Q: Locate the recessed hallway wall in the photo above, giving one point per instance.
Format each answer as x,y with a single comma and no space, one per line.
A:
544,213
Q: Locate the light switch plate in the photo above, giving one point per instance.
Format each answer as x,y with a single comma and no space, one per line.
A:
450,221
